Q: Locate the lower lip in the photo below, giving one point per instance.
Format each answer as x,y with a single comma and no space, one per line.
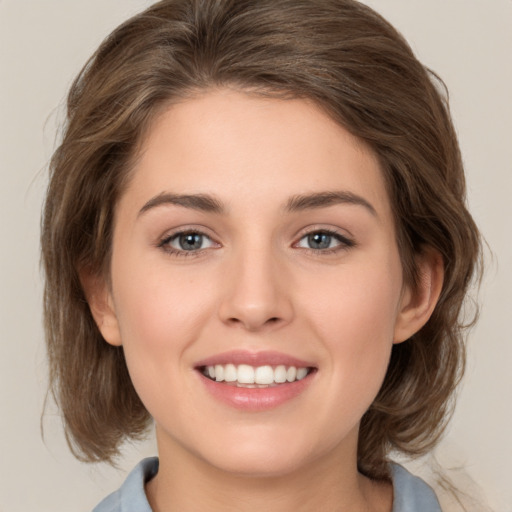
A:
256,399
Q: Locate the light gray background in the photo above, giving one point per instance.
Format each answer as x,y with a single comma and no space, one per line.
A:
43,44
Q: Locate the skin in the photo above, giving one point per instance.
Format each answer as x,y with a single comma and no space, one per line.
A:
256,284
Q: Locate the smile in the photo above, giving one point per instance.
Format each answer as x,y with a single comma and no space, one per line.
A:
254,382
248,376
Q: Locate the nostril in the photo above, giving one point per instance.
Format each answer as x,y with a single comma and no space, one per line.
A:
272,320
254,324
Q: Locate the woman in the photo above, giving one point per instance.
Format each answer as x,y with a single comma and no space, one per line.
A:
268,257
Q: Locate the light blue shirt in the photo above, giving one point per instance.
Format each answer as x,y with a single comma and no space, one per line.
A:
411,494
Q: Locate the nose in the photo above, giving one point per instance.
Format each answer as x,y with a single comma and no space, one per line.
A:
258,291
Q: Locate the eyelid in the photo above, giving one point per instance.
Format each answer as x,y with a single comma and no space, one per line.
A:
163,242
346,241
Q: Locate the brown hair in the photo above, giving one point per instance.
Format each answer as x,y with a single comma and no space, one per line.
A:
352,63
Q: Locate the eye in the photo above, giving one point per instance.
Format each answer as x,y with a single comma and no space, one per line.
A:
324,240
186,242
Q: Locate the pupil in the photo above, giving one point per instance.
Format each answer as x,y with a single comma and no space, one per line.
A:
191,241
319,241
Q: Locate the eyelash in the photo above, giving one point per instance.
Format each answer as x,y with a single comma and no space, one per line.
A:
166,241
344,243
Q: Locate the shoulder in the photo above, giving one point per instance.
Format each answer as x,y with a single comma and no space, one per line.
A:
412,494
130,497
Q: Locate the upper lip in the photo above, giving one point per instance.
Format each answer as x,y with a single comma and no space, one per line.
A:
263,358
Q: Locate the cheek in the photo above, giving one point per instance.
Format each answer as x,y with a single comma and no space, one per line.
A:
159,317
156,307
157,322
355,315
359,305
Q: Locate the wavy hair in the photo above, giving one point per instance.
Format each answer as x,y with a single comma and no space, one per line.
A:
354,65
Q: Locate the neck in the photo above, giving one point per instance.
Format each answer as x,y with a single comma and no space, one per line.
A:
186,483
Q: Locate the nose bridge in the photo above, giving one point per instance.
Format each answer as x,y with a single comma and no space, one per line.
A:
256,295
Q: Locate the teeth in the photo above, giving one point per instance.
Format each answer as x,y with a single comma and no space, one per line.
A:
230,374
280,374
301,373
245,374
219,373
264,375
248,375
291,374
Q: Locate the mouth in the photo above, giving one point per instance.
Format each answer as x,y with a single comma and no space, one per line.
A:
255,381
255,377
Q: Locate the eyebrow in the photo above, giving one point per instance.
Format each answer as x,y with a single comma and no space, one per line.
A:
201,202
325,199
208,203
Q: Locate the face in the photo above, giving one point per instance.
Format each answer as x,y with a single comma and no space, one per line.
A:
256,283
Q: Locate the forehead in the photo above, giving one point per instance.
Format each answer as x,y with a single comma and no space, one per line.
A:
241,146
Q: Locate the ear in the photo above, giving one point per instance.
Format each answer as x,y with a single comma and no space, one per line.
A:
418,303
99,297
